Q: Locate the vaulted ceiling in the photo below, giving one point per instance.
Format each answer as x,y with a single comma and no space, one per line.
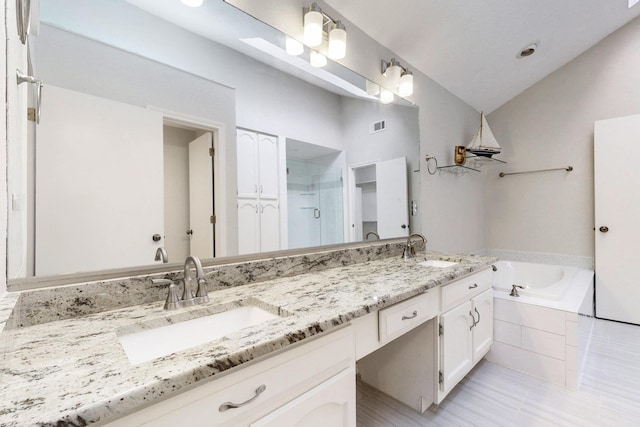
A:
471,47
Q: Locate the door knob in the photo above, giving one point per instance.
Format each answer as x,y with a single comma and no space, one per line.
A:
604,229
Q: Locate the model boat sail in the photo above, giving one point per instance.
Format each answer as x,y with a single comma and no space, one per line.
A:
484,143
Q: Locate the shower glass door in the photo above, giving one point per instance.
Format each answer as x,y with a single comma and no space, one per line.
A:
315,210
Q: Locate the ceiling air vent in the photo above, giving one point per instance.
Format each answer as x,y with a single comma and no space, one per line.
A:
377,126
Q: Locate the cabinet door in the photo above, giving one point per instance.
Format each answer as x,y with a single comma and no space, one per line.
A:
269,226
248,231
247,143
483,331
332,403
456,345
268,169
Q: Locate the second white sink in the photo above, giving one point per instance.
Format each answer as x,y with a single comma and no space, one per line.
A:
148,344
437,263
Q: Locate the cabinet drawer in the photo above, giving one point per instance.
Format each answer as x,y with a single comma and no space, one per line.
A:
402,317
464,289
284,377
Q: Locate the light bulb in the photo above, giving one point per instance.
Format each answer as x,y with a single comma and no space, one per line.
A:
405,88
317,59
337,41
313,20
293,46
386,96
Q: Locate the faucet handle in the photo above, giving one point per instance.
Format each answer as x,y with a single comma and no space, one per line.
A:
172,302
201,294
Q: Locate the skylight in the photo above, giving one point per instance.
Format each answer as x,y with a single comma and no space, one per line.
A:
633,3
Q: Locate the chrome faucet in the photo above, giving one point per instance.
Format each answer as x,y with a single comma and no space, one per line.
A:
161,255
201,295
514,291
370,233
409,251
188,299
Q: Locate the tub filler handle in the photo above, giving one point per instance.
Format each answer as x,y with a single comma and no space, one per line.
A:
514,291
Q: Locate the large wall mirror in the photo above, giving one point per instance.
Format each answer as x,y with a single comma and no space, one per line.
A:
170,130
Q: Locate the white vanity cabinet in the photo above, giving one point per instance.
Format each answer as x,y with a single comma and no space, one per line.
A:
303,386
465,329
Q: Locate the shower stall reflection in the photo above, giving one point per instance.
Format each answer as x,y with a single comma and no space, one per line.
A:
315,204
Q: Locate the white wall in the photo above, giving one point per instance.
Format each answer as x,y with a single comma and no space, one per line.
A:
551,125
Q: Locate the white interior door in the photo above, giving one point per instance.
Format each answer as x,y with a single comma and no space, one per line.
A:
616,146
99,186
393,198
201,196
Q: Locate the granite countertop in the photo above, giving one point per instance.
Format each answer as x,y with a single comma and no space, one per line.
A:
74,372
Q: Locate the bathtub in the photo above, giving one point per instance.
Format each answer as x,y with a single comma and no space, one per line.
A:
546,330
539,280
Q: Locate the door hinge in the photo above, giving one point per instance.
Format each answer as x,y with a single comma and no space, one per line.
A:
31,114
440,377
440,330
212,152
213,219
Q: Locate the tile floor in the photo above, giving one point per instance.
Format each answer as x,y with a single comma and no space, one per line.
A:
609,394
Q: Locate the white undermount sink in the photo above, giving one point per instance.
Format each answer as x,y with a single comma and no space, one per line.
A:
437,263
151,343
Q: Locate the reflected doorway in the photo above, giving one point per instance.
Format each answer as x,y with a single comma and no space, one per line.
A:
189,202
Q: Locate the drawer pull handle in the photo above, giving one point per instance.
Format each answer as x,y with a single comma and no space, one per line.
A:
230,405
413,315
478,313
475,285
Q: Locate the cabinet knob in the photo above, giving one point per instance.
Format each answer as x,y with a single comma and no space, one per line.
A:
604,229
190,232
403,226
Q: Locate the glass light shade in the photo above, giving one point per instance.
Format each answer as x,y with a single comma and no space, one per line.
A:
337,41
393,75
372,88
405,88
386,96
317,59
293,46
192,3
313,27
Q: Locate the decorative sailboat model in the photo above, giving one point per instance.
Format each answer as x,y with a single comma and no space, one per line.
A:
484,144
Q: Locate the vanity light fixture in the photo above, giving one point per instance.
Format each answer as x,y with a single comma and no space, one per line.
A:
293,46
192,3
398,77
386,96
318,25
317,59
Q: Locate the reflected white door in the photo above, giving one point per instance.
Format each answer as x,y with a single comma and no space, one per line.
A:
201,196
99,186
247,142
248,227
616,146
269,226
268,166
392,198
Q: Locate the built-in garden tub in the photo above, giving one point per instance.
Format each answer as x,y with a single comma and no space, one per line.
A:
545,330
